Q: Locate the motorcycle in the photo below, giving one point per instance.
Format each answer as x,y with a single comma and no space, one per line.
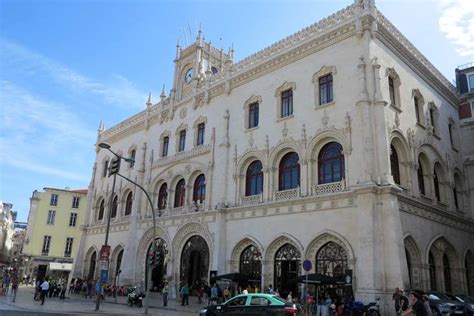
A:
135,297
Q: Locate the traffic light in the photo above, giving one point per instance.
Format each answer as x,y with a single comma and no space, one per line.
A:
114,166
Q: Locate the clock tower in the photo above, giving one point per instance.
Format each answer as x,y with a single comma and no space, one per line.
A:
196,65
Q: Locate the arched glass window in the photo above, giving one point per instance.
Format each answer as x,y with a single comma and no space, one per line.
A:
114,207
447,274
128,204
394,164
162,196
331,163
119,262
431,263
251,263
289,172
421,180
436,185
331,260
92,266
199,192
180,193
101,210
254,179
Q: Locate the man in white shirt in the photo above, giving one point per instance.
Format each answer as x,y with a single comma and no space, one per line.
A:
44,289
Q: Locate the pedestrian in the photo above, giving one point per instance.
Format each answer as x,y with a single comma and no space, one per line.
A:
63,291
270,289
214,294
417,307
185,295
14,285
404,303
396,298
6,281
426,302
200,293
165,294
226,294
289,298
44,289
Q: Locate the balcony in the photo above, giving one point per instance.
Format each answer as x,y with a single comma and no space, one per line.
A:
287,194
182,210
328,188
251,199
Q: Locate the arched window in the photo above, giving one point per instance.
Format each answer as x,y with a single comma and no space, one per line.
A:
179,193
92,266
394,165
410,276
128,204
254,179
331,260
421,179
199,192
431,263
251,263
447,274
114,207
436,184
119,262
289,172
162,196
101,210
331,163
286,267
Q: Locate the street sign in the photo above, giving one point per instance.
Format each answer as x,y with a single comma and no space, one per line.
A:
104,275
307,265
104,253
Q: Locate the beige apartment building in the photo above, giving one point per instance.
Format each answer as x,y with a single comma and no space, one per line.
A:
54,231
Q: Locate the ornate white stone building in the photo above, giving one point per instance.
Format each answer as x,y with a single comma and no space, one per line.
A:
338,144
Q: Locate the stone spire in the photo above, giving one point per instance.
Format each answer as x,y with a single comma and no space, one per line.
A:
148,102
163,93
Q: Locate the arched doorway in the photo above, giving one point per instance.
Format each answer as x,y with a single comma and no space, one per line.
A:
92,262
159,270
287,267
194,261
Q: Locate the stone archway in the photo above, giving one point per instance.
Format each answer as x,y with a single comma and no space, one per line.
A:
144,245
445,265
469,272
116,260
413,262
194,261
184,233
90,263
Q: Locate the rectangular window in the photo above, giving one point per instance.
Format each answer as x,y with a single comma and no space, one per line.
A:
54,200
391,89
471,82
132,156
200,135
182,140
68,249
46,244
253,115
417,110
432,120
287,103
72,219
325,89
51,217
450,128
75,201
106,168
164,150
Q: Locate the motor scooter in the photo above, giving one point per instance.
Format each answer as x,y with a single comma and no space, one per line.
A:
135,296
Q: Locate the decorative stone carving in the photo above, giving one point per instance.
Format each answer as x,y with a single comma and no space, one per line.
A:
182,113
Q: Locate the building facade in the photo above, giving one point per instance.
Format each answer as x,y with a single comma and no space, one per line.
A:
7,228
339,144
54,231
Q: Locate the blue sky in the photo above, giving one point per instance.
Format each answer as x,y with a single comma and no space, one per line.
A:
66,65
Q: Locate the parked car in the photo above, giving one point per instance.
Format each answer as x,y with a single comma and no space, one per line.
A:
468,302
255,304
441,304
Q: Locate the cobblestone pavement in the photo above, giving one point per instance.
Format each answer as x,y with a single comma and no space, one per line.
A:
76,305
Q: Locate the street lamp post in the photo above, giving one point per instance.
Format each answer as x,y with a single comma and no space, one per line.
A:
148,281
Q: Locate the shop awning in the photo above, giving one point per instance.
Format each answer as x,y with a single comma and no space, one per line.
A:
57,266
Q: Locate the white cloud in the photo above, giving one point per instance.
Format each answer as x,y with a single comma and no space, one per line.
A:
457,24
42,137
119,91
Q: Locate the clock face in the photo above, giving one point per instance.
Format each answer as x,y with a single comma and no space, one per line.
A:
189,75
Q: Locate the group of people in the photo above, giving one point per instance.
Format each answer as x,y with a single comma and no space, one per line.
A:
414,302
88,288
9,278
46,287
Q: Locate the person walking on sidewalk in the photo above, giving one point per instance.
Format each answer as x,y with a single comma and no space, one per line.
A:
185,295
44,289
165,295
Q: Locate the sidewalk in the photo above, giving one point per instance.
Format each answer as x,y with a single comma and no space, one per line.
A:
75,305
